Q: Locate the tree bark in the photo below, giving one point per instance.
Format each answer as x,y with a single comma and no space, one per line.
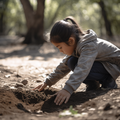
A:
34,21
2,15
1,23
105,17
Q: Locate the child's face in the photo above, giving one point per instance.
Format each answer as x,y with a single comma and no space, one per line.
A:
66,49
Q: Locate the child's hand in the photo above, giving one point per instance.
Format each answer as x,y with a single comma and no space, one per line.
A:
40,87
62,96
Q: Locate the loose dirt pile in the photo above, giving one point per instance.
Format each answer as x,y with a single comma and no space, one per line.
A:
28,101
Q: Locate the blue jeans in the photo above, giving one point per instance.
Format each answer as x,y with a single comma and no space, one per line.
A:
97,72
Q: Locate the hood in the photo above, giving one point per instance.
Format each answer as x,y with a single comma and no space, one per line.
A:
89,36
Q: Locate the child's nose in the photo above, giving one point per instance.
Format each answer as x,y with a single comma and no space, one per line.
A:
61,51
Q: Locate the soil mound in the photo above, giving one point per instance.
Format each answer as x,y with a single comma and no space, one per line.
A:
33,97
14,100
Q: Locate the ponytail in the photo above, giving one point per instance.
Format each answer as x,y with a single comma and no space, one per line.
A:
79,30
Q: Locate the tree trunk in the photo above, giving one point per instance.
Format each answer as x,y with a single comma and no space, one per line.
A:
34,21
106,20
1,23
2,15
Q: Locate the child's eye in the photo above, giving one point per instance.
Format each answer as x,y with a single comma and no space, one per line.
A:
60,48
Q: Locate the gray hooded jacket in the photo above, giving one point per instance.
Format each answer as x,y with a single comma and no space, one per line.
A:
89,49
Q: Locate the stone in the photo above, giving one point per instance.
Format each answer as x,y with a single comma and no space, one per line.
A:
24,82
107,107
18,85
38,81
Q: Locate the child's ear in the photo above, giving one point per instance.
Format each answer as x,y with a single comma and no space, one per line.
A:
71,41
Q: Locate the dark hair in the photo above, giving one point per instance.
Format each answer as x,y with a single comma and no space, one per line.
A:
64,29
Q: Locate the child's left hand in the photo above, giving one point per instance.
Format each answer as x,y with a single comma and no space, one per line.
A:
62,96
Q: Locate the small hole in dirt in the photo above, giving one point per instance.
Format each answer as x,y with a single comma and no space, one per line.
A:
33,97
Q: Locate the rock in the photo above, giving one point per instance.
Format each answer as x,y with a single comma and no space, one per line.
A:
20,89
18,76
107,107
21,107
92,109
38,81
7,76
101,108
24,82
18,85
39,111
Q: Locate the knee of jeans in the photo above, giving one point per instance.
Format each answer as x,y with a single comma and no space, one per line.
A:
72,62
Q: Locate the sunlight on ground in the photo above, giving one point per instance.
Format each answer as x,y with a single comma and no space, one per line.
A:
15,62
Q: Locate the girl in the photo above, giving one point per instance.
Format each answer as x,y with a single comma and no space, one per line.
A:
93,61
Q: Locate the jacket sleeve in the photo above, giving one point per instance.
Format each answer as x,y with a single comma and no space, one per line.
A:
87,57
60,71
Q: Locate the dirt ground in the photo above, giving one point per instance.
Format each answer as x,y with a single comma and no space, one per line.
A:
23,67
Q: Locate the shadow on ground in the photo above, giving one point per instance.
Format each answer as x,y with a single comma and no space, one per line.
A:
11,48
76,99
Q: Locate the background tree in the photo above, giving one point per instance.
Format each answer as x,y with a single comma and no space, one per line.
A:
85,13
34,21
105,17
26,17
59,7
109,13
3,7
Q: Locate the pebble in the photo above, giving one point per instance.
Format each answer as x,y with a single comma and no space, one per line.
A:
19,89
101,108
38,81
114,107
107,107
43,75
18,85
24,82
7,76
12,87
112,94
39,111
117,100
92,109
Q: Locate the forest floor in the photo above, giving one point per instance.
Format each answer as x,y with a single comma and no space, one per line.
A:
23,67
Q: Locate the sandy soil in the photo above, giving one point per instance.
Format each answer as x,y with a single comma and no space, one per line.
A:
24,67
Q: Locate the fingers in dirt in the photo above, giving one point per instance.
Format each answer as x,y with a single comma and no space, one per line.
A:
62,100
57,99
66,100
42,87
37,87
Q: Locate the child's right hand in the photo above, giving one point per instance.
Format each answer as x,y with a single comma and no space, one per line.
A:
40,87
